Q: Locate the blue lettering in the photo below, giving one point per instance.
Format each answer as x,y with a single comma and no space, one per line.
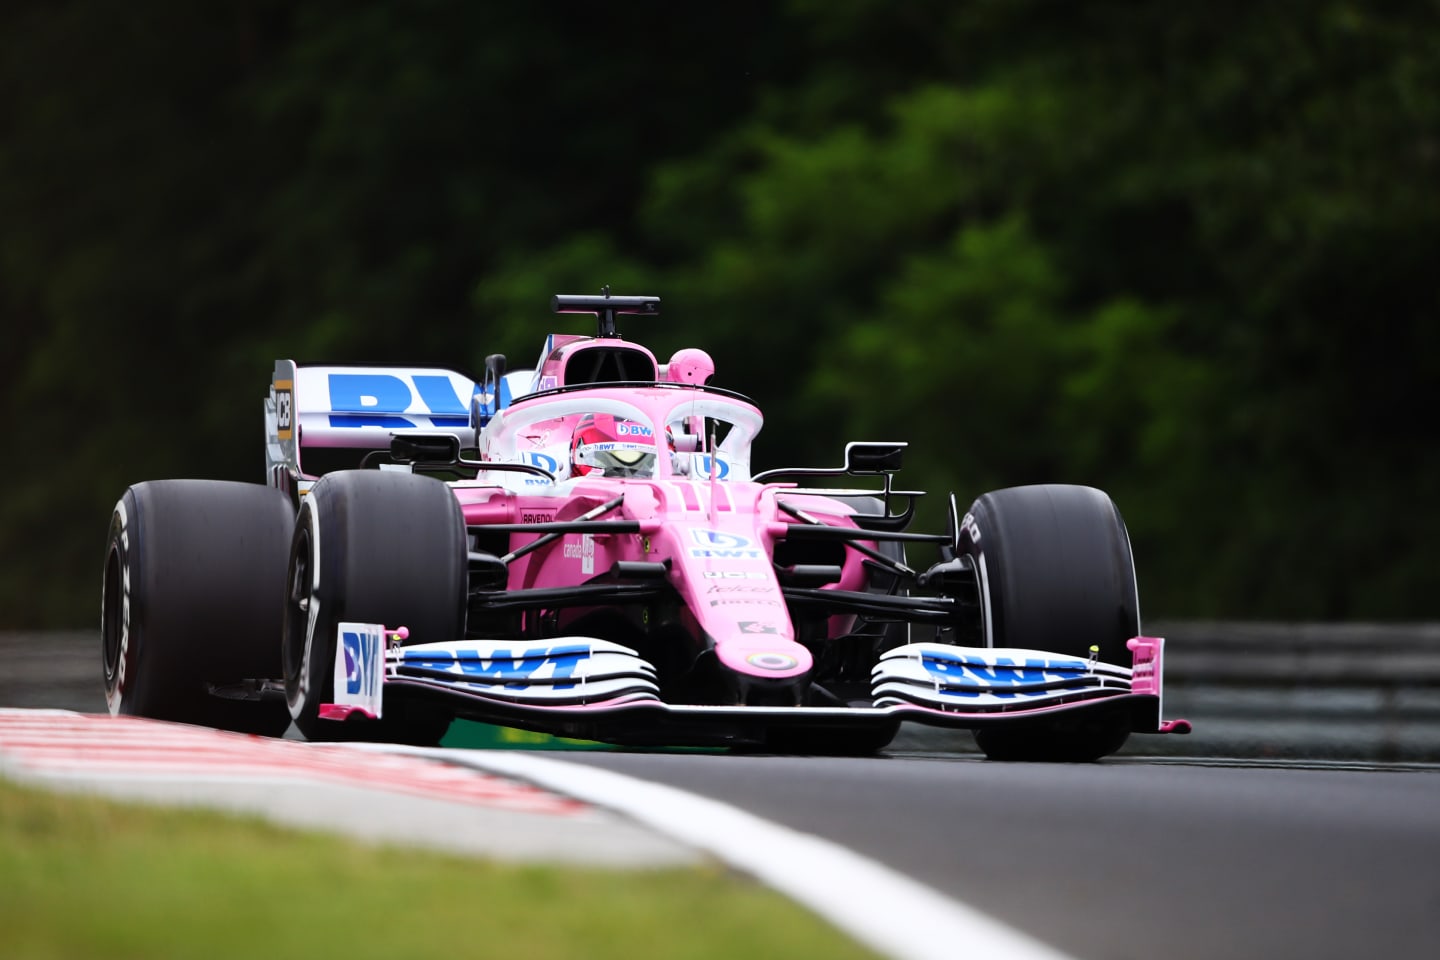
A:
714,538
507,668
368,393
1003,670
566,659
972,677
375,399
722,469
484,405
350,643
359,656
438,393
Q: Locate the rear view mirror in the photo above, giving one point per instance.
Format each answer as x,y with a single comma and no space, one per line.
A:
425,448
874,457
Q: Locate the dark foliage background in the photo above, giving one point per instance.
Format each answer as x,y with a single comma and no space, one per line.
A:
1184,252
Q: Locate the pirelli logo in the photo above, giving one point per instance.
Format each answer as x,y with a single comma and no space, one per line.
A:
284,409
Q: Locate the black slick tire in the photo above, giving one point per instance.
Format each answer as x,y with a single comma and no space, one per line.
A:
1055,573
371,547
194,573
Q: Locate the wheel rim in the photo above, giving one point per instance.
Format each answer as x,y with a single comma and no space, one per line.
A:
299,598
112,618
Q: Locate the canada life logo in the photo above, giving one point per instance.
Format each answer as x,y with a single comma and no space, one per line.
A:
714,545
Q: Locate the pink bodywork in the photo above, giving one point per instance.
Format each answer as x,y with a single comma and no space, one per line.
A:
717,535
1147,673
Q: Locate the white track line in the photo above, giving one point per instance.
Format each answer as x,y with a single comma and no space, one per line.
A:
884,909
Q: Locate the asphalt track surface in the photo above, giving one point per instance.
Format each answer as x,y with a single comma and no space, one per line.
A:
1133,857
1126,858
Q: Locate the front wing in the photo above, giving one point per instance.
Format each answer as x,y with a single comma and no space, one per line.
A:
592,689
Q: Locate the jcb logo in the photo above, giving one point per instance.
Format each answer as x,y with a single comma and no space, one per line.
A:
284,408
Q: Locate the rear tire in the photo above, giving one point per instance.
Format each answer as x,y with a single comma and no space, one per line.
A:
1055,573
193,574
371,547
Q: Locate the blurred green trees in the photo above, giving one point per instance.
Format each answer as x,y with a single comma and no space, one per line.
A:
1181,252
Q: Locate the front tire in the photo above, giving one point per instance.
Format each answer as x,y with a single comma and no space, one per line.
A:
371,547
190,601
1055,573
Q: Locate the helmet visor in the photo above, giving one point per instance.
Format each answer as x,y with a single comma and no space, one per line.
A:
618,459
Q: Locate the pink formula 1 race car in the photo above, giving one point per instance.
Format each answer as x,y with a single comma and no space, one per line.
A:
584,549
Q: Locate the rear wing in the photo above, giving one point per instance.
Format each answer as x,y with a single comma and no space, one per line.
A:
320,418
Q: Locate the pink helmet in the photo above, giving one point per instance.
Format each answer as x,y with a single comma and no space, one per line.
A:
608,446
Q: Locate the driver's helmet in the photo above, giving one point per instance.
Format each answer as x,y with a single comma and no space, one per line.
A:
608,446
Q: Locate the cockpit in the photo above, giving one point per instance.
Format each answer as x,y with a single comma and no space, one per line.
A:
603,406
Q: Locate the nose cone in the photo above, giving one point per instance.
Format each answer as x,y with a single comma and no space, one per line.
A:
756,649
737,601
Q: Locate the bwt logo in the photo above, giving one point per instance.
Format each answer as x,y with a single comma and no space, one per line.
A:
543,460
515,671
714,545
722,469
379,399
361,652
1001,677
722,541
633,430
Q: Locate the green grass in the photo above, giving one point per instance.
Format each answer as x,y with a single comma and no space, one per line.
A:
89,878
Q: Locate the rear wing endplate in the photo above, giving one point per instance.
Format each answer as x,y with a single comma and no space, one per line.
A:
361,407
